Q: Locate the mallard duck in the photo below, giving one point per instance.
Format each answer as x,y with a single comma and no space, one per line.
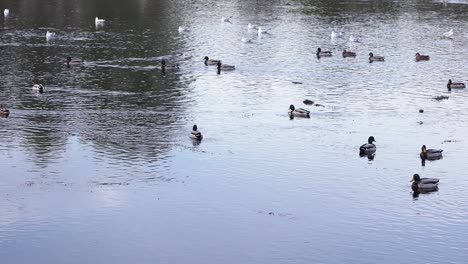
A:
98,20
369,147
50,35
458,85
424,184
348,54
321,53
6,12
430,154
210,62
299,112
4,112
420,57
37,87
165,67
375,58
225,67
195,134
73,62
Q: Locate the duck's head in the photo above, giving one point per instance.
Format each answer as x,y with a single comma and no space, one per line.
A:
319,50
423,148
292,108
219,64
371,54
206,58
416,178
371,140
450,81
195,128
417,54
163,62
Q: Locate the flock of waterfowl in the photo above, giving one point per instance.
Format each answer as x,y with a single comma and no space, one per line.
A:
419,185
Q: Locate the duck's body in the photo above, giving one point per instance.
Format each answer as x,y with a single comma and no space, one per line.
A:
165,67
369,147
430,154
70,62
347,54
211,62
4,112
98,21
424,184
37,87
308,102
375,58
50,35
184,29
420,57
321,53
455,85
195,134
448,34
6,12
299,112
225,67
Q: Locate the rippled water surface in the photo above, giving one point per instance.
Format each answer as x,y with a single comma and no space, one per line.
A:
99,168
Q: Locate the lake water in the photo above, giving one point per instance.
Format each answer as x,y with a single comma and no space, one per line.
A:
99,168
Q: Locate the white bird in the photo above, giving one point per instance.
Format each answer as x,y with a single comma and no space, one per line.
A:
448,34
262,31
354,39
6,12
98,21
250,26
336,34
226,19
50,35
184,29
246,40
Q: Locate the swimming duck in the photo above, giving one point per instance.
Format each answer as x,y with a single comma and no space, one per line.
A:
225,67
348,54
4,112
369,147
50,35
321,53
424,184
37,87
420,57
165,67
448,34
375,58
299,112
430,154
6,12
210,62
226,19
184,29
451,85
98,20
73,62
195,134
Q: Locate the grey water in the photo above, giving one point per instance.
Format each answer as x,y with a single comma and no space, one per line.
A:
100,169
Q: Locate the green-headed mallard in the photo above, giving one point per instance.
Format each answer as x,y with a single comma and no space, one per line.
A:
225,67
369,147
424,184
299,112
455,85
321,53
375,58
195,134
210,62
430,154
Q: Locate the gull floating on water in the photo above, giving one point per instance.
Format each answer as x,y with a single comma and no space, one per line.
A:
50,35
6,12
226,19
448,34
184,29
98,21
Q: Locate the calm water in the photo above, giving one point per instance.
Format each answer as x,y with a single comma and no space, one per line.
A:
99,168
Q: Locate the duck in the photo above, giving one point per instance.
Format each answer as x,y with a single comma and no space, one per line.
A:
375,58
37,87
211,62
4,112
226,19
98,21
424,185
420,57
369,147
184,29
430,154
308,102
50,35
195,134
225,67
6,12
321,53
348,54
455,85
448,34
73,62
165,67
299,112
